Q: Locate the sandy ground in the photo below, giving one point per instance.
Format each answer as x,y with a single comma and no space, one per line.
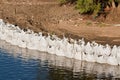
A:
49,17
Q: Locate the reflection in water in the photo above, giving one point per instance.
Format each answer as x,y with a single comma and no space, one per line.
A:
42,66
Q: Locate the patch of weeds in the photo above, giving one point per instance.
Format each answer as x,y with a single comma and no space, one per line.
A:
88,23
52,33
101,24
62,1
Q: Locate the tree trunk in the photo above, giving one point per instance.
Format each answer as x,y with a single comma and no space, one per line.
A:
113,4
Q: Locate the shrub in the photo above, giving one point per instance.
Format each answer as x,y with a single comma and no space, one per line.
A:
87,6
63,1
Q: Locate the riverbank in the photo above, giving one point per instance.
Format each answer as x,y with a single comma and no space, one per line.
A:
48,16
76,66
91,52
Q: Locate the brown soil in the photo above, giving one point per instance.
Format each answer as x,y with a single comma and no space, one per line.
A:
49,16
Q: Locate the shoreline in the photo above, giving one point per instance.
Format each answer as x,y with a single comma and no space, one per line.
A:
58,61
91,52
47,16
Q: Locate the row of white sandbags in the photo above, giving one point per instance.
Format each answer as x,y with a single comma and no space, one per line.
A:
92,52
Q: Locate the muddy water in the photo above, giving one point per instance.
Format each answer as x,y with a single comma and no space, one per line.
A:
23,64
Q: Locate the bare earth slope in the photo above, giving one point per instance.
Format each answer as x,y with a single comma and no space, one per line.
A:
49,16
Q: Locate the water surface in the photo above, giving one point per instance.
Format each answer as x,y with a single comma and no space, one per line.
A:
23,64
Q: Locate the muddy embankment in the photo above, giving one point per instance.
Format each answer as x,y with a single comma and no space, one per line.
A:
49,17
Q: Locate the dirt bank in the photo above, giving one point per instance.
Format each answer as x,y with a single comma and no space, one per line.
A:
49,16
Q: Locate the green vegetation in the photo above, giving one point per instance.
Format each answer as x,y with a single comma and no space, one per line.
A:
93,6
63,1
87,6
88,23
67,1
